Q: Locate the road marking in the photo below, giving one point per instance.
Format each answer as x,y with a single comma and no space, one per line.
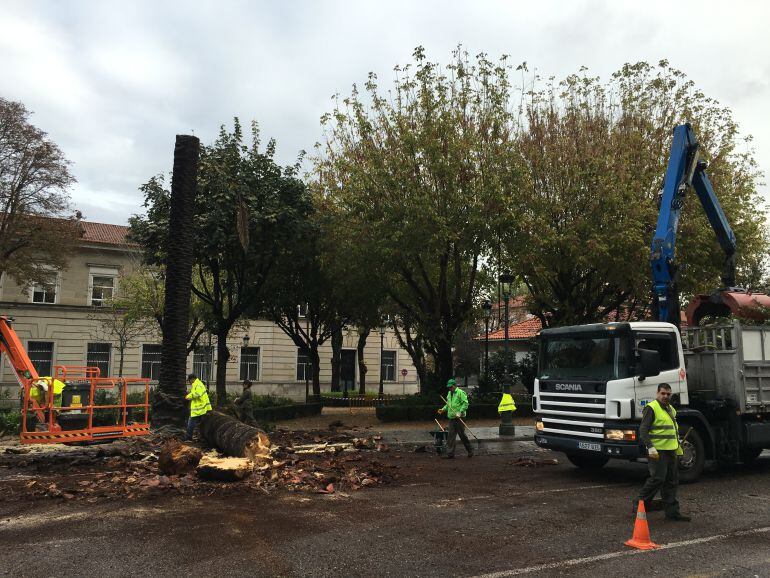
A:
572,489
611,555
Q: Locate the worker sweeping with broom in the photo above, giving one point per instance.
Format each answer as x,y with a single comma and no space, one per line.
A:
455,408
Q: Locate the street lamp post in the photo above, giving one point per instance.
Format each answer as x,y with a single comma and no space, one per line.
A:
382,344
307,353
506,417
487,307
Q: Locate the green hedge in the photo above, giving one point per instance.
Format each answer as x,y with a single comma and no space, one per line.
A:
357,401
281,412
423,408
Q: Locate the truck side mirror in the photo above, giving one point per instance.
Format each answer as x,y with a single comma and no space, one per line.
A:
649,363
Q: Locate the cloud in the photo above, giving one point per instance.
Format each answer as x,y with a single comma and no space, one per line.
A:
113,82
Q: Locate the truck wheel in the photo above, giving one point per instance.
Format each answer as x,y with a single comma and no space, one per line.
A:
749,455
588,462
694,459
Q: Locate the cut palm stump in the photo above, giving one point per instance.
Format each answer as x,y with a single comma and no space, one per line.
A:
212,467
234,438
176,458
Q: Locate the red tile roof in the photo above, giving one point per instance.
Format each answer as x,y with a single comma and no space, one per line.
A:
526,329
104,234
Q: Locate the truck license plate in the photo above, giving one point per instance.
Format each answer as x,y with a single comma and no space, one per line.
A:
587,446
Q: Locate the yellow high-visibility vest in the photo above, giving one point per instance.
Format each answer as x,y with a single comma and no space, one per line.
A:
506,404
664,432
199,399
39,394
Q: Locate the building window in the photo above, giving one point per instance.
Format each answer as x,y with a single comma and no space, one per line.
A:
303,365
101,290
302,310
98,355
388,366
102,283
203,362
151,361
41,355
45,291
250,363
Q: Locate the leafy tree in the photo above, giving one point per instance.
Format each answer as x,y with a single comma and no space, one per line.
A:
143,293
358,282
248,212
497,368
35,231
304,281
596,153
424,175
118,322
468,352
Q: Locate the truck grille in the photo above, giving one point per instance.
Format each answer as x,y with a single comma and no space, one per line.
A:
572,414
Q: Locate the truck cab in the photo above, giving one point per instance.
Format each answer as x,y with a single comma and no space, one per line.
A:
593,382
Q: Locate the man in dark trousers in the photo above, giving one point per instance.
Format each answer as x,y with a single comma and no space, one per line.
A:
455,408
245,405
660,434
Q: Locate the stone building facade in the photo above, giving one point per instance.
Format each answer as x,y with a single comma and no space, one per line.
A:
61,323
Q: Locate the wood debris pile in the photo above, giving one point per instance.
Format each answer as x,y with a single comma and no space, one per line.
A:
317,463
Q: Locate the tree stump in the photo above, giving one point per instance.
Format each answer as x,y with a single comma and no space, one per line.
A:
176,458
224,469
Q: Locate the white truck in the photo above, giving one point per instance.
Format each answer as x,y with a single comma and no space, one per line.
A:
594,381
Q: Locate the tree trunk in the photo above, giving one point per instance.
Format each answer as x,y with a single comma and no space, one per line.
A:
121,353
223,355
444,367
315,359
363,334
169,406
414,348
336,358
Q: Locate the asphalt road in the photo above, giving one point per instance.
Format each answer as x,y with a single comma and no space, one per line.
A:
479,517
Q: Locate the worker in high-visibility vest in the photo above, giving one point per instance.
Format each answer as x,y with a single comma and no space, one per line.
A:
39,390
660,433
455,408
199,403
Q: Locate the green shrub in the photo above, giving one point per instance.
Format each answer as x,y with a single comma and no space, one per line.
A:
271,401
10,422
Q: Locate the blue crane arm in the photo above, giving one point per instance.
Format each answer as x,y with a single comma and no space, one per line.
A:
684,171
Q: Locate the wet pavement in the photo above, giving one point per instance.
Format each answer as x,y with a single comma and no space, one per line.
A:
462,517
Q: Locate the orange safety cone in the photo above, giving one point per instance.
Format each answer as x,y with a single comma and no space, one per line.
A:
641,537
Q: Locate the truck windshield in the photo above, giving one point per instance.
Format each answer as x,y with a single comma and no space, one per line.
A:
583,357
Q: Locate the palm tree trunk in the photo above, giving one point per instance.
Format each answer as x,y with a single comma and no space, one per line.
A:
169,406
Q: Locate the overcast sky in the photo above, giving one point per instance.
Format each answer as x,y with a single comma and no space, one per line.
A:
112,82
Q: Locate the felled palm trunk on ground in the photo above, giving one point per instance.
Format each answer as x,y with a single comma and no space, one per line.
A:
235,438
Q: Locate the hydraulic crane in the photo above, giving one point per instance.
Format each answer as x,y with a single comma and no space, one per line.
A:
75,404
687,171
